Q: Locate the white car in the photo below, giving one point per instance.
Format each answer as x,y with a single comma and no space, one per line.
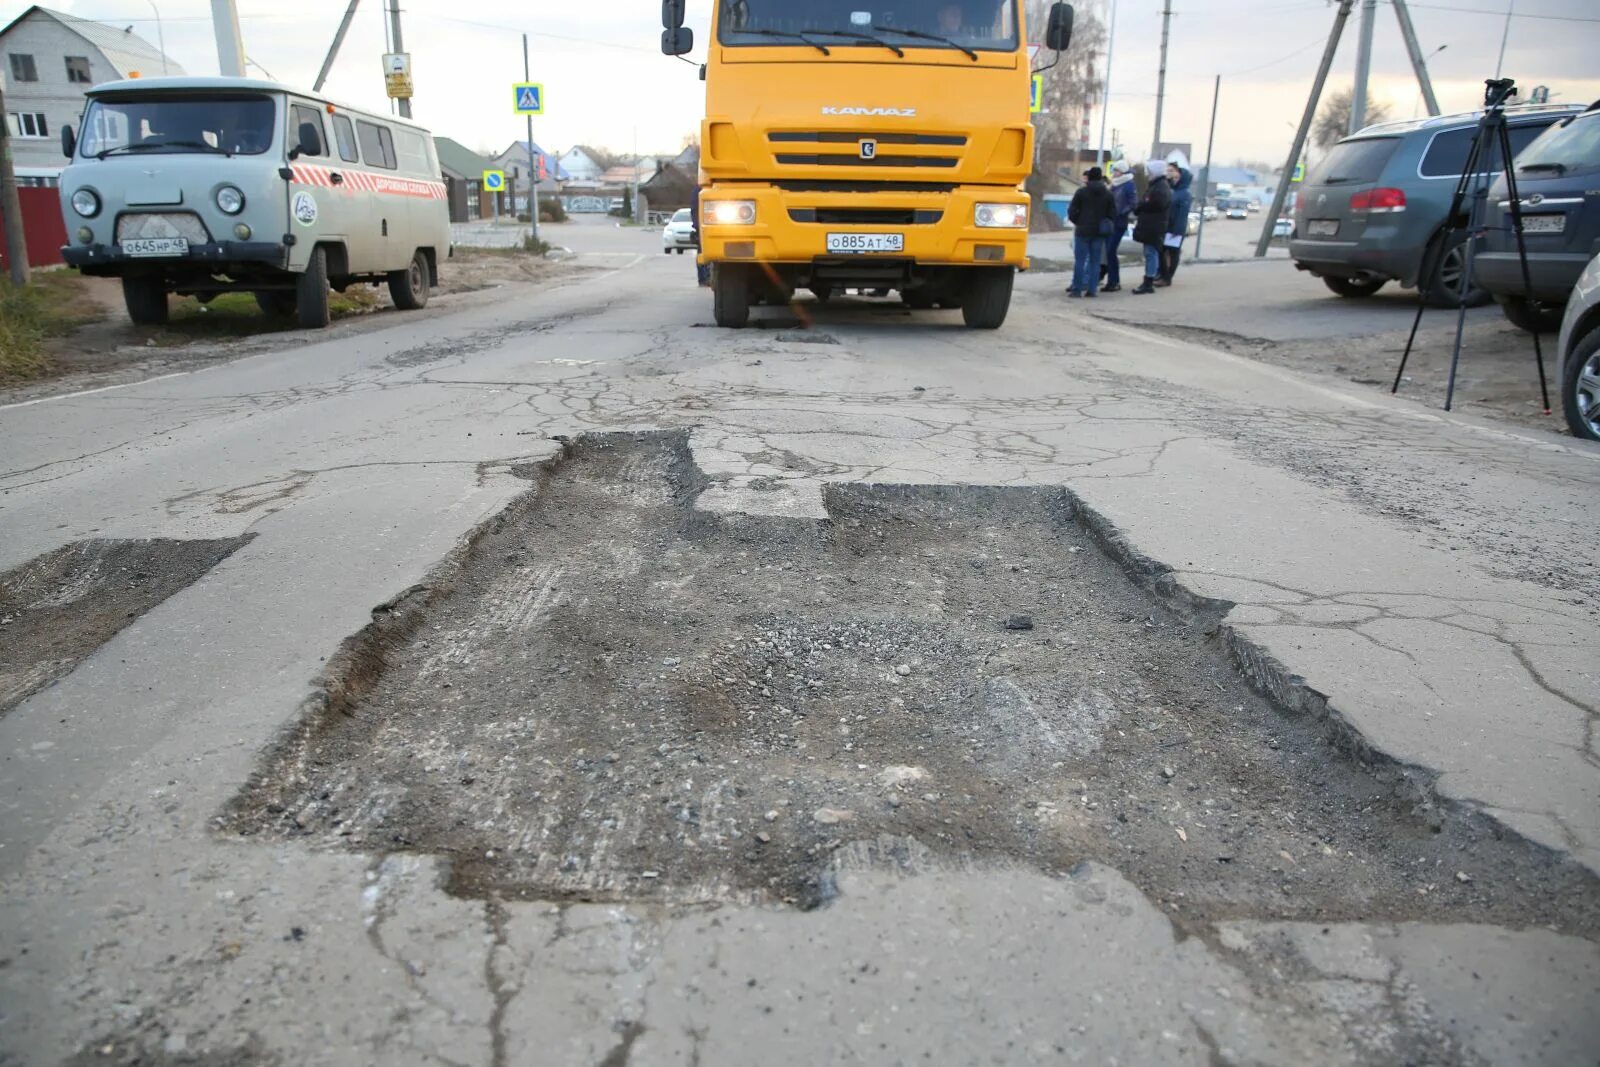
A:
1253,206
1238,212
1284,227
679,233
1209,213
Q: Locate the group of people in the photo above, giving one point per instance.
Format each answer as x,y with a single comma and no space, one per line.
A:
1100,212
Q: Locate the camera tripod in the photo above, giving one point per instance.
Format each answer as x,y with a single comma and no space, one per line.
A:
1492,135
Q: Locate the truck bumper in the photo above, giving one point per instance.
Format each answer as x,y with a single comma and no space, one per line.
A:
792,226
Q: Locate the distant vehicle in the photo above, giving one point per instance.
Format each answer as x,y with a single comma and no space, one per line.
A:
1194,224
1556,177
1238,211
1253,206
1579,348
679,232
1209,213
1374,210
1284,227
199,186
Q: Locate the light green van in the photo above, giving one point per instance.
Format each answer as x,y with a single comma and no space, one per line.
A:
199,186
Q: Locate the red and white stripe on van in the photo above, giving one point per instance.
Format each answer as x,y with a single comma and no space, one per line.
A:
365,181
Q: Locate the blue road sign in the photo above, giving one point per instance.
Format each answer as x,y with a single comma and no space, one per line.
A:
494,181
528,98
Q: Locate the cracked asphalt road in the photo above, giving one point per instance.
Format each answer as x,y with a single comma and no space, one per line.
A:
1419,587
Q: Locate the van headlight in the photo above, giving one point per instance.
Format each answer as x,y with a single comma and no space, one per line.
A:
86,203
732,212
230,200
1001,216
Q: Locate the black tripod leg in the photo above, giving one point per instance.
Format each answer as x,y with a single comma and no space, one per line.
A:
1412,340
1468,175
1522,256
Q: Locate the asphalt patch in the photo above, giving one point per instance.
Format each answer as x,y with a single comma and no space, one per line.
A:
59,607
608,694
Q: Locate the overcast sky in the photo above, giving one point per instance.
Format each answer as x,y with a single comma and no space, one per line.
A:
605,77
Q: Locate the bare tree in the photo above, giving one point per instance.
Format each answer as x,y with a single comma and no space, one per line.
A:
1333,118
1072,93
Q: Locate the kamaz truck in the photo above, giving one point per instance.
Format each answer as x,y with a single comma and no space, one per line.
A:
875,145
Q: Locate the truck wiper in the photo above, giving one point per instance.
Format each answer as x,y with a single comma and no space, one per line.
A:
798,36
896,49
928,37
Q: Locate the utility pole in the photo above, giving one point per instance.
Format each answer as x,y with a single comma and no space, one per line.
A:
230,45
1418,62
1105,104
1358,100
533,166
1304,128
1161,77
399,46
11,205
1205,173
338,41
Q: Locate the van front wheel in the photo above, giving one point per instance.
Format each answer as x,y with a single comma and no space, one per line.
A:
311,292
146,299
409,288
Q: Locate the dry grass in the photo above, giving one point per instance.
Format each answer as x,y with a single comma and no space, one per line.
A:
54,305
237,315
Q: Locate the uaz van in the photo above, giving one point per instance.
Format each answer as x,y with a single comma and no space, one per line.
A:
199,186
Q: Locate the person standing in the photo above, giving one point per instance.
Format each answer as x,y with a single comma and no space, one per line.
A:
1150,221
1125,195
1092,213
1177,221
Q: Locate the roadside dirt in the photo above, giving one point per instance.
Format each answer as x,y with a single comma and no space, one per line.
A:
611,695
58,608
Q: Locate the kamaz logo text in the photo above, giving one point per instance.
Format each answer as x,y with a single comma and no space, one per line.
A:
893,112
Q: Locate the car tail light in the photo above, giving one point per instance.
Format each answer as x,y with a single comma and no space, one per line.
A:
1379,200
1299,202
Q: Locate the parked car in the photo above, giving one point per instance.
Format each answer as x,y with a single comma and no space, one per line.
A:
679,232
1373,211
1238,211
1193,226
1579,350
1253,207
1283,227
1209,212
1556,178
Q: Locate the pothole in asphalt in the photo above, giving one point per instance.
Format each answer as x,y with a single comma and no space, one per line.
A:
59,607
611,695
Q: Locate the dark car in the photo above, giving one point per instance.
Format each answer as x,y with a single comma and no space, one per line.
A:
1579,352
1558,182
1373,211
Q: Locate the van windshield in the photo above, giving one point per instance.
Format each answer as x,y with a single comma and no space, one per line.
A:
1560,149
990,25
149,123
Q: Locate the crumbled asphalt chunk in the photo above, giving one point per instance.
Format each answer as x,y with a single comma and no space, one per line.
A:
1019,622
995,746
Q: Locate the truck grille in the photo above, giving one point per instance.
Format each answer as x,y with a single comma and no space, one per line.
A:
795,160
864,216
806,148
185,224
954,140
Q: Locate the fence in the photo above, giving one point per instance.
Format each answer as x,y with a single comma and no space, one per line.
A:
43,228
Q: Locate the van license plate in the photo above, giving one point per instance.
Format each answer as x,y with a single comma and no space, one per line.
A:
856,243
1323,227
156,246
1543,223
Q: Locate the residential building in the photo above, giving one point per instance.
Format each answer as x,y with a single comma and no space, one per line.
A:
462,170
49,59
582,163
514,161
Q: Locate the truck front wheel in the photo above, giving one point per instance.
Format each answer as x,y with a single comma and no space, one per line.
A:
730,295
988,297
146,298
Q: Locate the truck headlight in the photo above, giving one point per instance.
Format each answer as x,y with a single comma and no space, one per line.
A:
86,203
1001,216
732,212
230,200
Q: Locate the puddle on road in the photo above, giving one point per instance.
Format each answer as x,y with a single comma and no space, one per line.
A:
610,695
59,607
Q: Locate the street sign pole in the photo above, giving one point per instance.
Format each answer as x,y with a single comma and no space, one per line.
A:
1205,173
533,168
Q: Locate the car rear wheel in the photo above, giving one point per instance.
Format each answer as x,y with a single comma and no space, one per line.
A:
1354,287
1535,316
1580,387
409,288
1443,267
146,299
275,303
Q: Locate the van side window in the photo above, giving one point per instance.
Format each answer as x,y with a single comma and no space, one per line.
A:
344,134
377,145
300,117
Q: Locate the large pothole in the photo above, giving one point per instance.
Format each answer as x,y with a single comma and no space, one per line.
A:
610,695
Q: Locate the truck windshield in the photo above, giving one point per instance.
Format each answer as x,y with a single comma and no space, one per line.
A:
983,25
147,123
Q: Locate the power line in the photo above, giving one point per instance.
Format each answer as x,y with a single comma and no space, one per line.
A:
1502,14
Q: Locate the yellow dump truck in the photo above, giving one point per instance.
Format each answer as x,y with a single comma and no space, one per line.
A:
853,146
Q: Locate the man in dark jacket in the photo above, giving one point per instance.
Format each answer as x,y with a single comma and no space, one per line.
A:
1150,221
1125,194
1092,214
1177,221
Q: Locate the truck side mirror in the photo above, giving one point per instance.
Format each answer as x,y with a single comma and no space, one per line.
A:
69,141
677,41
1058,36
672,14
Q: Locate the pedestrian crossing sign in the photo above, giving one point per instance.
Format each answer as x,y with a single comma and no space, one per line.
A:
1299,173
529,98
1036,96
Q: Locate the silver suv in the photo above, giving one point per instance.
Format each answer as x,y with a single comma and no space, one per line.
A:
1373,211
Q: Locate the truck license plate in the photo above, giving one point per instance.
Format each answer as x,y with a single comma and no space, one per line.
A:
856,243
1323,227
156,246
1543,223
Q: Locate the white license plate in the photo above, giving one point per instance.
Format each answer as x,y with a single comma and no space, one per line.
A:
1323,227
1543,223
856,243
156,246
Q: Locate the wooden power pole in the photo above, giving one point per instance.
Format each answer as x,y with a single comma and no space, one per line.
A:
11,205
